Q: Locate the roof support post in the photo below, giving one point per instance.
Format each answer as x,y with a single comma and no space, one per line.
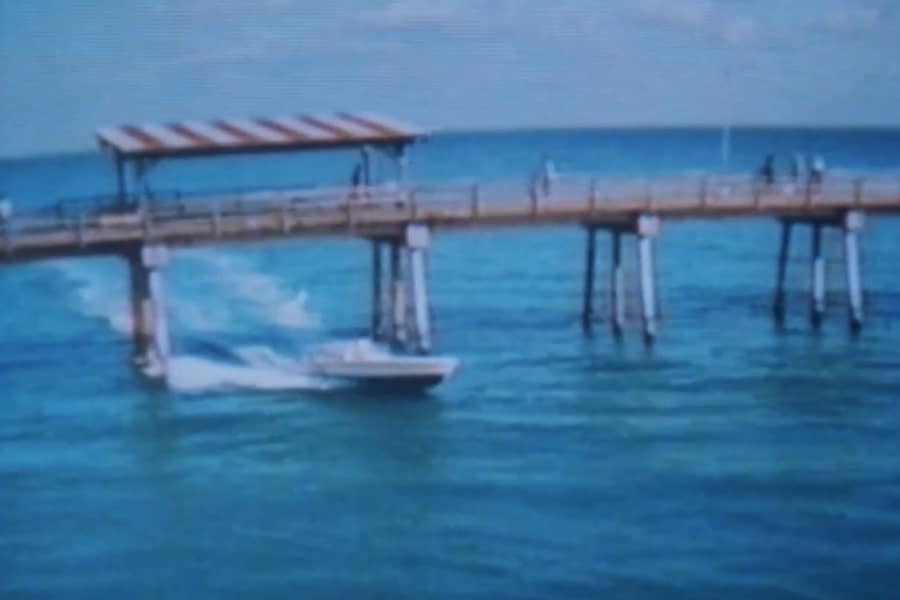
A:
121,190
365,153
139,187
402,160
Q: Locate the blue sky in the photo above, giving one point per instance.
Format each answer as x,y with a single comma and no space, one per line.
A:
70,66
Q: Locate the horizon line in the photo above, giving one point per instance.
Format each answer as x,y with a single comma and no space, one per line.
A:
457,130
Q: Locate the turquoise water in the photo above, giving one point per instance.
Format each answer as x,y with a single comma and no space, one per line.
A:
731,460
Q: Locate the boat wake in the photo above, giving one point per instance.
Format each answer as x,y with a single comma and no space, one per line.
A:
241,298
259,368
269,299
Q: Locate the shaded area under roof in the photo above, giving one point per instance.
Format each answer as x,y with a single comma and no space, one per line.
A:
229,136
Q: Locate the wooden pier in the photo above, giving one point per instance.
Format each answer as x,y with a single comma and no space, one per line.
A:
400,218
113,226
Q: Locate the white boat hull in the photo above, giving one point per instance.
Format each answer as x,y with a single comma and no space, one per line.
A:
368,366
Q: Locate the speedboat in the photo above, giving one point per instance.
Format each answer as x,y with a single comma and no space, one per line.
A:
367,364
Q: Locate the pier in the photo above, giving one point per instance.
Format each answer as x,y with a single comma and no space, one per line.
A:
400,219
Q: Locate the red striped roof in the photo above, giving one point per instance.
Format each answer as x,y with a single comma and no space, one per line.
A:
255,135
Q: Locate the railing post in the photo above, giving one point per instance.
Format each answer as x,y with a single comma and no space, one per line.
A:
348,208
592,198
8,243
82,239
857,190
216,219
145,213
285,218
533,200
476,200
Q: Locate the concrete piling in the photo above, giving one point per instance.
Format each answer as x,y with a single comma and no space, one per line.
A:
377,326
853,224
150,327
617,285
779,305
587,308
398,298
417,243
817,305
647,229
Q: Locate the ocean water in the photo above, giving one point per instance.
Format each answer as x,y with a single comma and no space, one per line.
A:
730,460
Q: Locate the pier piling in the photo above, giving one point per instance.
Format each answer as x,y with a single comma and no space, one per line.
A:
587,309
148,308
778,305
417,242
406,320
397,327
647,229
817,306
377,296
617,285
854,221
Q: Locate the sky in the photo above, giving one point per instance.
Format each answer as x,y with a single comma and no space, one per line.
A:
68,67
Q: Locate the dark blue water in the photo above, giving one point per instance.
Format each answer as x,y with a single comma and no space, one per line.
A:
731,460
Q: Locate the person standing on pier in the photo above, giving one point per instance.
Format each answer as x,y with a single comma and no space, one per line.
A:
548,176
817,170
798,167
798,173
767,170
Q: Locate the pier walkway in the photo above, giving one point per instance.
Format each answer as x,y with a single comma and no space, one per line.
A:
114,224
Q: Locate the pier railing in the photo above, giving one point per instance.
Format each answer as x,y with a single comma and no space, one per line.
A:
572,196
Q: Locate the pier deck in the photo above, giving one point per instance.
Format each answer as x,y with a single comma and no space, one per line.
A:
116,225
